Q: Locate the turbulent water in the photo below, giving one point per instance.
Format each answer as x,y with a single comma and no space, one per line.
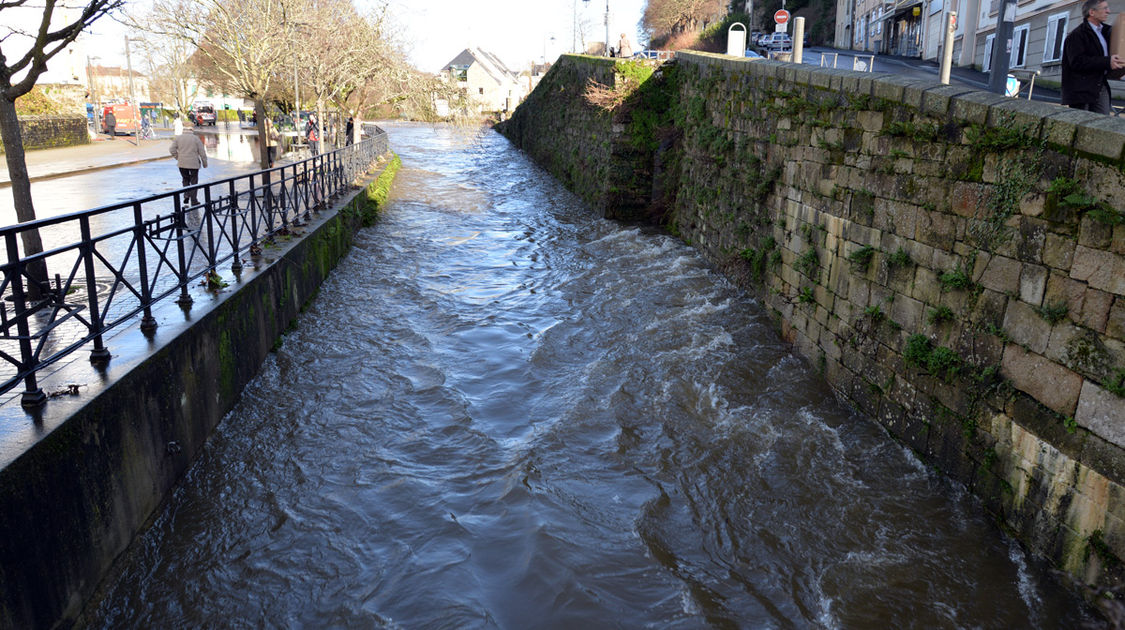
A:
504,412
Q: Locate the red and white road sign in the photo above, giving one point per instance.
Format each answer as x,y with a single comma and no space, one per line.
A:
781,17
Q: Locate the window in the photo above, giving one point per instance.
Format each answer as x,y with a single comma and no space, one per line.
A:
986,65
1019,47
1056,35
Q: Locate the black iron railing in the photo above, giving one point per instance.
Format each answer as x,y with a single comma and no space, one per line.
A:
108,266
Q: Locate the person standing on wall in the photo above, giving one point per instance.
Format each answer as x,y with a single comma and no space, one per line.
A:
624,48
110,124
1086,60
188,150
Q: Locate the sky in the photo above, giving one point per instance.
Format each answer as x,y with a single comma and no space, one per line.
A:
517,31
433,31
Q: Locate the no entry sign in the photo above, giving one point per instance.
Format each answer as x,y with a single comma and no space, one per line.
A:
781,17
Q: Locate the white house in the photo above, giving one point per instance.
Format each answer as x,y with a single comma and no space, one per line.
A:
485,80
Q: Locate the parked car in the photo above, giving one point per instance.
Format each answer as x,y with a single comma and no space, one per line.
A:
763,39
779,42
203,114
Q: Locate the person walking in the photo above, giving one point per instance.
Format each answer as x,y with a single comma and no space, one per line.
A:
624,48
312,133
177,126
188,150
348,130
110,124
272,139
1086,60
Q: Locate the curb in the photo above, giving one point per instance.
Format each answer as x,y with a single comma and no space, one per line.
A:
90,169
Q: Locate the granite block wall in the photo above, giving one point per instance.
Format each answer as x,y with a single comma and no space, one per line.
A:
952,261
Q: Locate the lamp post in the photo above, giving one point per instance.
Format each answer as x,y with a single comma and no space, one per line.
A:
93,91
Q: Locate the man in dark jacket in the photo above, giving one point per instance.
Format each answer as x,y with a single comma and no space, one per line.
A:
1086,60
110,124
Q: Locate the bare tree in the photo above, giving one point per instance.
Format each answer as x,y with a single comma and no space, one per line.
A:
247,42
334,52
668,17
173,71
16,79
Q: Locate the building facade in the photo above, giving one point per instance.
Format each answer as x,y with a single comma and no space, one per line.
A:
485,81
913,28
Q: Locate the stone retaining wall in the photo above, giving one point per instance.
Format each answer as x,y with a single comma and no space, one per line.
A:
952,261
72,503
47,132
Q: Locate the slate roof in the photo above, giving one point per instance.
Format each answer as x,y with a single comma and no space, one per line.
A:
489,62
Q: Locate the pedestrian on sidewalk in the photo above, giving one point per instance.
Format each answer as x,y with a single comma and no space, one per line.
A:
177,126
110,124
188,150
272,139
349,130
312,133
1086,60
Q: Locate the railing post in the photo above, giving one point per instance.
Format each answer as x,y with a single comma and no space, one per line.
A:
253,218
185,300
236,266
99,355
148,322
270,205
208,217
32,395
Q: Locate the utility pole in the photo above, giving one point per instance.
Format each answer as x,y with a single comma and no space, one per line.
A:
133,94
1002,47
606,28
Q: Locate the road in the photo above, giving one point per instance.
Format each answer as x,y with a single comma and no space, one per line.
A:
906,66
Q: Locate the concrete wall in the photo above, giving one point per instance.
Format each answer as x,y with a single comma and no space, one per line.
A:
47,132
73,502
952,261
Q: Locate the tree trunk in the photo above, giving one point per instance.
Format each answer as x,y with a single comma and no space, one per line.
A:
357,128
263,141
21,195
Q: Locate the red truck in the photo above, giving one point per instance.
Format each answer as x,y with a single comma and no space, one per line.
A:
126,123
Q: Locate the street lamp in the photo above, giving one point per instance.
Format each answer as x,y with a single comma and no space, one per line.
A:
133,93
93,90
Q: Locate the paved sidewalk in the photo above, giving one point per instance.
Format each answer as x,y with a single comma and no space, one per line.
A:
99,154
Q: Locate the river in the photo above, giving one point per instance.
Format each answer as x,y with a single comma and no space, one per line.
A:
504,412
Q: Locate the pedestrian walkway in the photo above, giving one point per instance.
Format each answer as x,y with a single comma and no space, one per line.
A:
100,154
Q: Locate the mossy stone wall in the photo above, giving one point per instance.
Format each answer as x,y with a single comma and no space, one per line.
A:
48,132
952,261
74,501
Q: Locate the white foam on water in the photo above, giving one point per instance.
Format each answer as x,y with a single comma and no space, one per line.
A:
1026,586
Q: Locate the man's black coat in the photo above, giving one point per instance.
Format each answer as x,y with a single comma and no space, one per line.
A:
1084,65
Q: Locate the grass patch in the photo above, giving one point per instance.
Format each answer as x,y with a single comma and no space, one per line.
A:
939,315
861,257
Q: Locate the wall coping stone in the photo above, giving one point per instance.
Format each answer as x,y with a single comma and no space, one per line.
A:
973,106
937,100
1104,136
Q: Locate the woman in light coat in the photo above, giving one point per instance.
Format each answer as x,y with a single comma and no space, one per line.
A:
177,126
